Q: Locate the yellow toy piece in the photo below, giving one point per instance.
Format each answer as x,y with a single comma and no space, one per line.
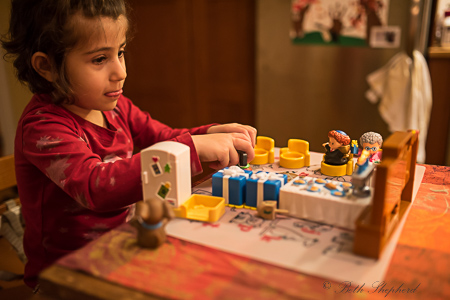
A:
342,170
201,208
235,206
264,151
295,155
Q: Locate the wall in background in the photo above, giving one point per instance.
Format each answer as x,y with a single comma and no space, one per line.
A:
13,95
303,91
191,63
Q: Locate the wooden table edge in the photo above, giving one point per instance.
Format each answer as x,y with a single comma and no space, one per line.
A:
58,282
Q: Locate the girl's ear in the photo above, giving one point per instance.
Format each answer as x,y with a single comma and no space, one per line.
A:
42,65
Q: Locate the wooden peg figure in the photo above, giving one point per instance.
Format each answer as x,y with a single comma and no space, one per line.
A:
151,218
268,210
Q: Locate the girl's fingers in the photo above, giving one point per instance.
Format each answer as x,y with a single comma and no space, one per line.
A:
246,130
244,145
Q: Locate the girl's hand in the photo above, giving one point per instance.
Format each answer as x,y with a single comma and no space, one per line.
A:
248,131
220,148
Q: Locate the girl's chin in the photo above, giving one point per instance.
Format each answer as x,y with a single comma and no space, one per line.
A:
111,106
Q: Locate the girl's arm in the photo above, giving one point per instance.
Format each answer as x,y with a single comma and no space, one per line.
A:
147,131
57,147
211,143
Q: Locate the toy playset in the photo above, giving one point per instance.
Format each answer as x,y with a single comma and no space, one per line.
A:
372,212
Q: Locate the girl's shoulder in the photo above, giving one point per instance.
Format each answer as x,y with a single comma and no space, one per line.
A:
41,104
41,110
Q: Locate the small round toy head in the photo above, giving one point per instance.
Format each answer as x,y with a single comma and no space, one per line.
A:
371,141
151,210
337,138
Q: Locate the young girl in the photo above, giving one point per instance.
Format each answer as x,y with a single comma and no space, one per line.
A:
76,172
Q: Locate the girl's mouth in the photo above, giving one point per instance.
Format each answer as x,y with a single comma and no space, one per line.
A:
114,93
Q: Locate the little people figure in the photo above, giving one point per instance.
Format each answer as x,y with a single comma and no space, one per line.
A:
337,148
372,142
151,219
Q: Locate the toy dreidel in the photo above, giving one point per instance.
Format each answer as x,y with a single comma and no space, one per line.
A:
268,210
151,218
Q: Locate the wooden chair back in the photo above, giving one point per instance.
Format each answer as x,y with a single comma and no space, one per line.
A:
7,177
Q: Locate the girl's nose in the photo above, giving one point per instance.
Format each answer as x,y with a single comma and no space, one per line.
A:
119,71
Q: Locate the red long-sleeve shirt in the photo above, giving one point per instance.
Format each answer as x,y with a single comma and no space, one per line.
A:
77,180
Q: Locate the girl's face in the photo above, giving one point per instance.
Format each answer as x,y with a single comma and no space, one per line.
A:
96,69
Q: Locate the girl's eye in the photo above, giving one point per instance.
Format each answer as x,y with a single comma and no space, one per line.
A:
99,60
121,53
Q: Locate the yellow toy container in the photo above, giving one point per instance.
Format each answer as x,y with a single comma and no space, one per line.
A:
201,208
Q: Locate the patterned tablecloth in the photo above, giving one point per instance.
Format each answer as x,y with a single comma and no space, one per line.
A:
420,267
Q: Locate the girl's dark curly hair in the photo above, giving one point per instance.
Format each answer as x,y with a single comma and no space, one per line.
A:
45,26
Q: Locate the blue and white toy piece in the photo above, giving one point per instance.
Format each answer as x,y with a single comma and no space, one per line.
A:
264,186
230,184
